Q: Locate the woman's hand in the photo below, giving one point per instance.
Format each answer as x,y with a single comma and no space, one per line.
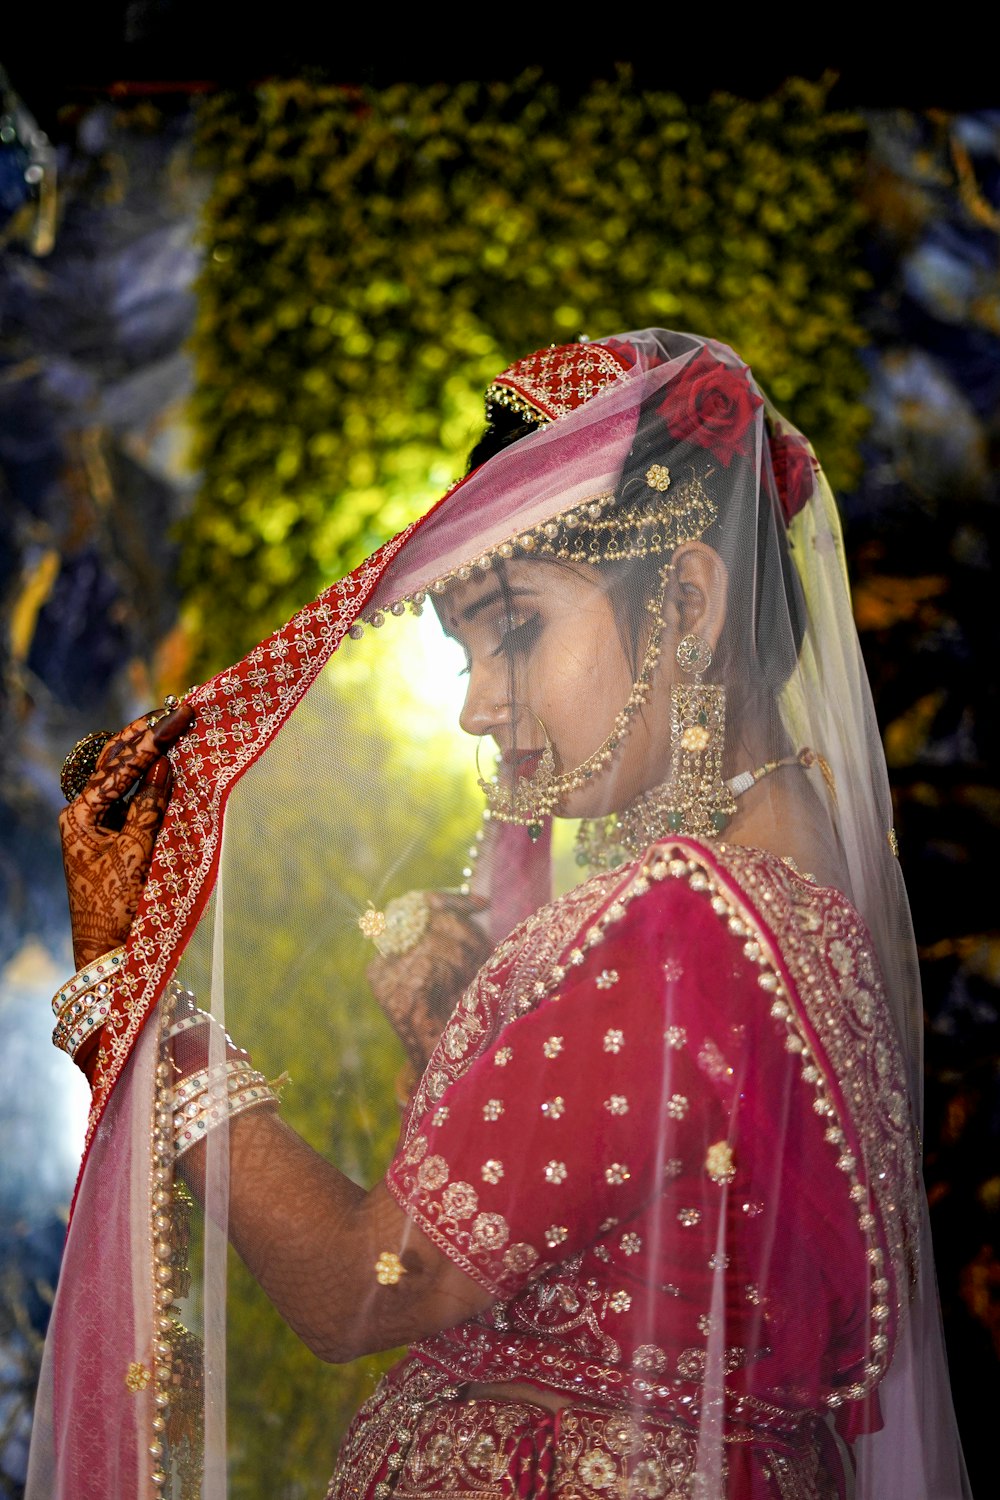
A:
105,867
418,990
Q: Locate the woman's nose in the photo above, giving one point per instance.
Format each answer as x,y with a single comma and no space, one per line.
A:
484,710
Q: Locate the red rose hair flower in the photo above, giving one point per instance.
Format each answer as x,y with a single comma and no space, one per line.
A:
712,405
794,471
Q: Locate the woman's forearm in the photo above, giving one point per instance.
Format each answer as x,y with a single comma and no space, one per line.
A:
312,1238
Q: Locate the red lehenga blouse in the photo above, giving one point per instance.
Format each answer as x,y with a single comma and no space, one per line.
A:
667,1128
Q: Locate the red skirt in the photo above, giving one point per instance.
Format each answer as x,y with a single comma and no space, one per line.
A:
417,1439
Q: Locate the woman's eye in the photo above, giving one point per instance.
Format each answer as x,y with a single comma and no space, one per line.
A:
520,637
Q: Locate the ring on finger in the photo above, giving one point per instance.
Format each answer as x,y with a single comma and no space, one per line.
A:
81,762
170,702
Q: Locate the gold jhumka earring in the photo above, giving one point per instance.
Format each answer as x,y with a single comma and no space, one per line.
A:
694,799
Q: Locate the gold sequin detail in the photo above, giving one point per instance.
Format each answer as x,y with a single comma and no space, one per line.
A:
389,1268
372,923
137,1377
719,1162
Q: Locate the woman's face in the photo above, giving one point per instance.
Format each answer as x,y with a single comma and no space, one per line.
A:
542,643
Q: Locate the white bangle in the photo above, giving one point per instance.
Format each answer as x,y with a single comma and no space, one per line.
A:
84,979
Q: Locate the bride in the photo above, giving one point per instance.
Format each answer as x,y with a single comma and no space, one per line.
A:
654,1223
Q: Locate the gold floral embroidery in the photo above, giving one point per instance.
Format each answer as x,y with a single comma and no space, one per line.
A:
490,1232
826,950
520,1258
712,1062
432,1173
649,1357
460,1200
617,1104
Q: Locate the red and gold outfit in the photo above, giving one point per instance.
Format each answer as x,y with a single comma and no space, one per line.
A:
702,986
671,1126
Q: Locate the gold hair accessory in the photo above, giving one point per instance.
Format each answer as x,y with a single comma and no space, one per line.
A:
601,529
389,1268
81,763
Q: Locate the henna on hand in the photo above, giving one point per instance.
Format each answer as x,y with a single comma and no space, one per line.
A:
419,989
105,867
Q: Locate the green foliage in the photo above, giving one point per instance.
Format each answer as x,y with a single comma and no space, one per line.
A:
373,258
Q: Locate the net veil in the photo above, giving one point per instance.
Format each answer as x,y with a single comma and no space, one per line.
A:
658,1017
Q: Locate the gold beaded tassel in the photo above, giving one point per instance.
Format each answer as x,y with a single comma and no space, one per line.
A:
178,1359
698,801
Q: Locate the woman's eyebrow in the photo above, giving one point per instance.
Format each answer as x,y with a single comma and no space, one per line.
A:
497,595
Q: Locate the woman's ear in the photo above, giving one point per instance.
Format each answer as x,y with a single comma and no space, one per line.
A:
698,591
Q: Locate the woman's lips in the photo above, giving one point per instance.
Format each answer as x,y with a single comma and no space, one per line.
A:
522,762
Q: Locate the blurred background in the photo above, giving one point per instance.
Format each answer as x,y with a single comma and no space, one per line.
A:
251,289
